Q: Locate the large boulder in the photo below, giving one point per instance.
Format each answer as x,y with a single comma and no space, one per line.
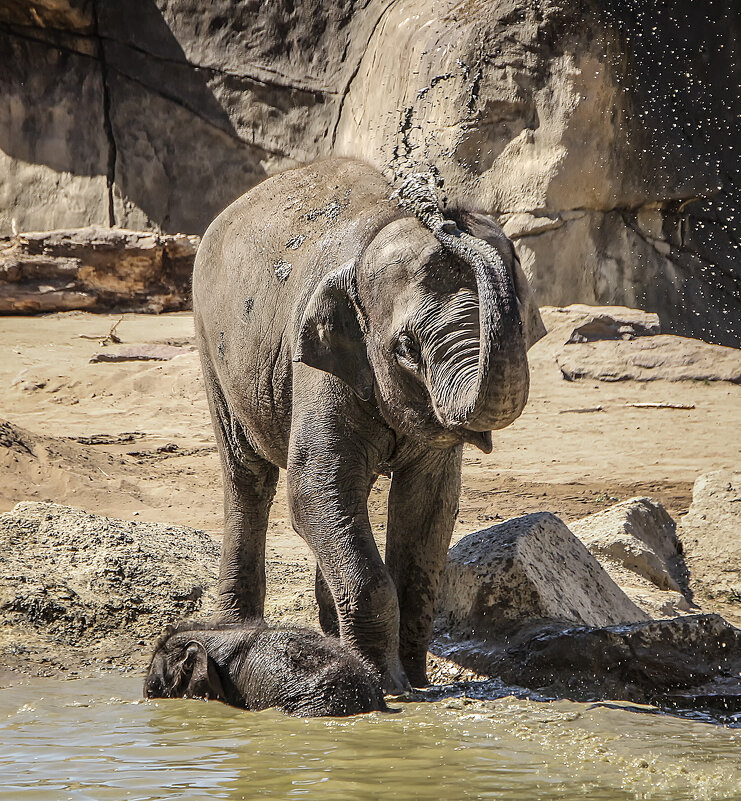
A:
711,536
95,268
650,358
616,173
74,580
636,543
525,572
526,602
582,323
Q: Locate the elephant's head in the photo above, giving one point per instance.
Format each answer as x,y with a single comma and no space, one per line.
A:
431,317
182,668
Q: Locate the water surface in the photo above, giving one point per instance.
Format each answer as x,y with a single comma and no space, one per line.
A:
96,739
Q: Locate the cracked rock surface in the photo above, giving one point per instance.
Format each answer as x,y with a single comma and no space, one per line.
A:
616,174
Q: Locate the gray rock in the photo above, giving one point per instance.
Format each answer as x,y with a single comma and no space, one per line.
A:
582,323
686,661
711,535
652,358
511,594
636,543
523,572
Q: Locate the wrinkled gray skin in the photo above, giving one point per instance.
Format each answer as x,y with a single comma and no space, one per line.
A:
255,667
341,339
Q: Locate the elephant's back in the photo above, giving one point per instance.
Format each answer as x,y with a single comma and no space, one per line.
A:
272,245
256,268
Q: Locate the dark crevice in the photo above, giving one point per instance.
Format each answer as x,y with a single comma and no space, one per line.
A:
107,124
12,30
106,68
288,81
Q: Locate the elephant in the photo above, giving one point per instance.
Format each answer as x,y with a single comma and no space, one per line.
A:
348,330
256,667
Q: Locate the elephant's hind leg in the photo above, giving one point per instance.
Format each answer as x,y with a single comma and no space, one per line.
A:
328,619
249,488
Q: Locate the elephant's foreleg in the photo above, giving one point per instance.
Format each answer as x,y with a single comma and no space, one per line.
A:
249,488
423,503
328,483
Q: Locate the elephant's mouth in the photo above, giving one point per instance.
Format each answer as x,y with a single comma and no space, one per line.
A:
481,439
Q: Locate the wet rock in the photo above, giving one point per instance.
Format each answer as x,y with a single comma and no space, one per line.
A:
510,593
653,358
95,269
711,536
523,572
643,662
73,579
636,543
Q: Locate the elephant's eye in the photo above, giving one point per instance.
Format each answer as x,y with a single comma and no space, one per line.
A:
407,349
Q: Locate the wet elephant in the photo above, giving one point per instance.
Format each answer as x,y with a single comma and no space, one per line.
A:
256,667
348,331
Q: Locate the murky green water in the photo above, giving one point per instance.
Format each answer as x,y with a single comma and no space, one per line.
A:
95,739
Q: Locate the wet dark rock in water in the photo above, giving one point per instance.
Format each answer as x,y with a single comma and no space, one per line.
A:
525,602
693,660
642,662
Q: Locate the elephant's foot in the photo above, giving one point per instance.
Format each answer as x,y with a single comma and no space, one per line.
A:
395,682
415,668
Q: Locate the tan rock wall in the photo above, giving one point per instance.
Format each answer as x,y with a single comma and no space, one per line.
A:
603,134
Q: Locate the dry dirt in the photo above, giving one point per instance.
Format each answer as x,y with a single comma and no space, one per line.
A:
133,440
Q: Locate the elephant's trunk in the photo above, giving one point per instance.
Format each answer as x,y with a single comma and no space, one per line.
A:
499,391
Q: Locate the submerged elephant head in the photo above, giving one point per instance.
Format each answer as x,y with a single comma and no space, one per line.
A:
257,667
431,317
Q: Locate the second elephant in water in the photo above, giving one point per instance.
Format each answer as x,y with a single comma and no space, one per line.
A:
256,667
345,332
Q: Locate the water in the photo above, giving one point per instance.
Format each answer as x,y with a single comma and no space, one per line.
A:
96,739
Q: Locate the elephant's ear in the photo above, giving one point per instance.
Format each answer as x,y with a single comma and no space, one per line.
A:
199,677
532,322
330,337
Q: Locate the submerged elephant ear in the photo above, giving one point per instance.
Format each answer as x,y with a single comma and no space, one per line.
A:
198,675
331,338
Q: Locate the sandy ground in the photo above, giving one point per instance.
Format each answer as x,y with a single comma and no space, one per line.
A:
133,440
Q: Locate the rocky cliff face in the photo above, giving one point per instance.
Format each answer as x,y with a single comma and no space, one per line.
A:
602,133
